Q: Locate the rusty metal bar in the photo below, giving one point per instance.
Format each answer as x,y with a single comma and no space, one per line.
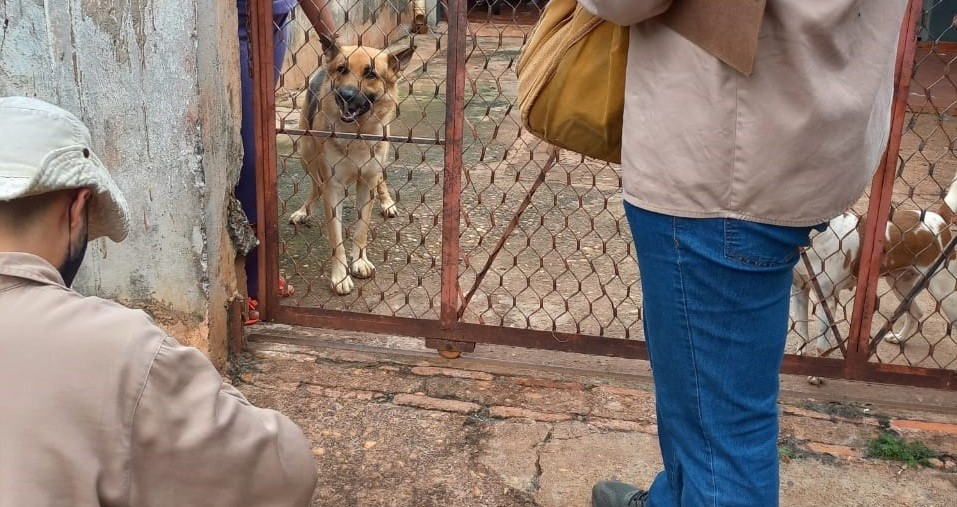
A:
904,305
462,332
512,224
354,321
829,367
933,378
585,344
452,175
438,141
264,109
824,306
870,372
865,303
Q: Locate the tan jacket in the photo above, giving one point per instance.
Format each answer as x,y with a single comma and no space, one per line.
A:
99,407
795,143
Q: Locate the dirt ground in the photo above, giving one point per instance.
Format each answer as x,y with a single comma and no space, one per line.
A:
393,424
568,266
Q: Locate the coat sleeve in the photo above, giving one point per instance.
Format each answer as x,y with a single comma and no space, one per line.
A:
197,441
626,12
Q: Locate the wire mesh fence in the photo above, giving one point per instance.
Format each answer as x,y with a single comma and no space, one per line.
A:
911,317
545,243
404,248
920,225
539,236
561,264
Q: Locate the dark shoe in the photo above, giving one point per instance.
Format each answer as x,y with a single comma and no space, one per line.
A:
617,494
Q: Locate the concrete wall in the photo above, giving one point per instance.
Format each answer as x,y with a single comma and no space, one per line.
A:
155,80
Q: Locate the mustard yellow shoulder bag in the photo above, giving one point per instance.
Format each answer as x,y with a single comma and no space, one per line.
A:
571,81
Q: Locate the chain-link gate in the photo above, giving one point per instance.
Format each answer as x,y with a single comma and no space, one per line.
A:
497,238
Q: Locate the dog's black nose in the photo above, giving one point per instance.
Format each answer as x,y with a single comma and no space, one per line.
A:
347,94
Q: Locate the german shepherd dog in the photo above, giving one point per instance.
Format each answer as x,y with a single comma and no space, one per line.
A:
353,92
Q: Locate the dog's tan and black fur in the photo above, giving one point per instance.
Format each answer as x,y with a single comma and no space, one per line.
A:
353,92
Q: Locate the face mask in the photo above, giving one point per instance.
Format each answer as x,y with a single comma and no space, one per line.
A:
74,256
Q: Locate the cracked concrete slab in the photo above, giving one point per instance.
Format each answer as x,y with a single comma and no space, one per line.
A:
579,456
812,483
513,449
374,448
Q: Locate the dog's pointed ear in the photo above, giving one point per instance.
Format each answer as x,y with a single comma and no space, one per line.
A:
398,61
330,48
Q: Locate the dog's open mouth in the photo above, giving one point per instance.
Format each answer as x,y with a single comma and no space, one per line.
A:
353,106
350,116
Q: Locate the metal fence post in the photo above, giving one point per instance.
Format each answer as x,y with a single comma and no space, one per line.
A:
865,304
264,110
452,178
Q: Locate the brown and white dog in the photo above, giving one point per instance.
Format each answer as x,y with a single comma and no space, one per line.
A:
913,240
354,92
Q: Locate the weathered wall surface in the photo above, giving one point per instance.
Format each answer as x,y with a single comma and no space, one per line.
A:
155,80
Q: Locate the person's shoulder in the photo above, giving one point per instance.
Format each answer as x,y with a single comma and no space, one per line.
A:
107,307
114,325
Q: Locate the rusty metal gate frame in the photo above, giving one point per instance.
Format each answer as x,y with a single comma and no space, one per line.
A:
450,333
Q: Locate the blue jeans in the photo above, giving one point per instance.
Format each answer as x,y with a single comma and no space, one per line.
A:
715,295
246,187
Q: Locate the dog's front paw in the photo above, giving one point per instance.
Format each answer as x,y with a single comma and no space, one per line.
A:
895,338
343,286
299,217
362,268
339,278
389,210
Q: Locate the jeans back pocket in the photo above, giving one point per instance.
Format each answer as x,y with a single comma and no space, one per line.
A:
763,245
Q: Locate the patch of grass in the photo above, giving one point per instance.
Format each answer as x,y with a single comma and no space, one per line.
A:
786,451
790,448
892,447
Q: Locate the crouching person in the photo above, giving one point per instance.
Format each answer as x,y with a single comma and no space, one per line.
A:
97,405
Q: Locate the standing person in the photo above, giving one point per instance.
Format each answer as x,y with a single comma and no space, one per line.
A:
100,406
321,18
724,175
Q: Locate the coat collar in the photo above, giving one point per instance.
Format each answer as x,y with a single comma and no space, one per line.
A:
26,266
728,30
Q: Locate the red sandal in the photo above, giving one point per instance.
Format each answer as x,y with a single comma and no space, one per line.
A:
285,290
252,317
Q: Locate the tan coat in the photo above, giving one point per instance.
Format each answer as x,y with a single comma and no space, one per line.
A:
99,407
795,143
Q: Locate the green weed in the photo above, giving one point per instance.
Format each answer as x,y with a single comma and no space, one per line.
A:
892,447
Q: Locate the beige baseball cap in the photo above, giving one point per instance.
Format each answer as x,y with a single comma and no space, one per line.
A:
44,148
